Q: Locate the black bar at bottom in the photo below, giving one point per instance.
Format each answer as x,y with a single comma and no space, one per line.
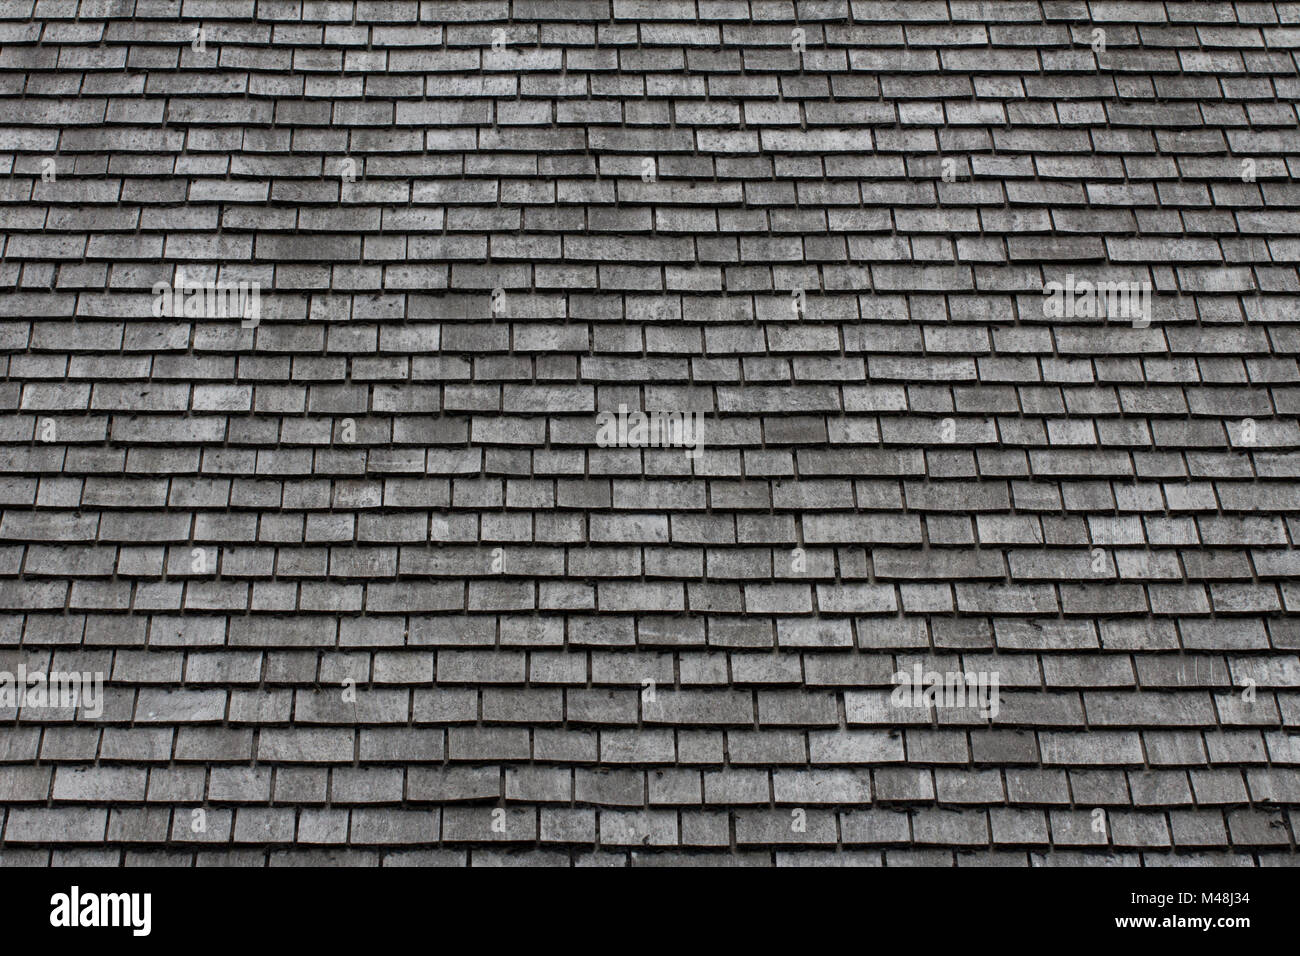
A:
333,907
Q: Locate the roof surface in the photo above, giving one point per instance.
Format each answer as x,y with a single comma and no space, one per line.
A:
974,324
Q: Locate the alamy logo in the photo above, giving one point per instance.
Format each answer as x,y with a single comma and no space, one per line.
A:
56,689
637,429
74,909
200,299
1082,299
978,689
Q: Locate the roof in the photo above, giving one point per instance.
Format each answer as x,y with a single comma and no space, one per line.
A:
755,433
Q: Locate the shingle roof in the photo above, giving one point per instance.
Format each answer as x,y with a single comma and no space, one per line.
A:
367,584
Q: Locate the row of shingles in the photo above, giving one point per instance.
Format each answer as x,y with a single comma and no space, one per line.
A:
790,274
863,706
1033,362
1026,153
1080,342
1203,406
1134,252
282,637
1065,678
1005,445
1127,46
922,795
480,38
102,493
1140,16
772,232
1256,661
787,695
726,11
1197,175
1251,637
1208,375
486,856
1218,752
1201,666
1217,579
1056,48
1024,382
1017,824
351,20
1139,546
1189,832
831,53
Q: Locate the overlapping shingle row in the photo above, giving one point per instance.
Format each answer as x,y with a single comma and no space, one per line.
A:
366,583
